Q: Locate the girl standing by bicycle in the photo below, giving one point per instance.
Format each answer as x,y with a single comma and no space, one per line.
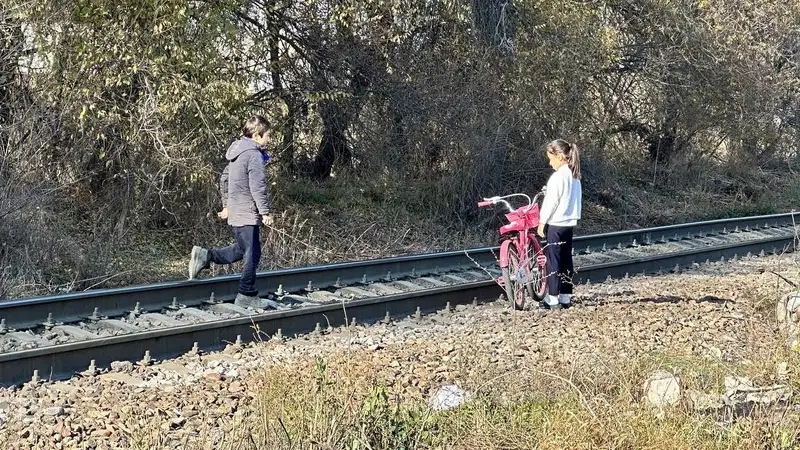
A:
561,210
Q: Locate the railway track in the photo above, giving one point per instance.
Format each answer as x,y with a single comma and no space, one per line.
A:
57,336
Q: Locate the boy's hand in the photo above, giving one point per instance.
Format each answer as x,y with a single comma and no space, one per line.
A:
540,230
267,219
223,214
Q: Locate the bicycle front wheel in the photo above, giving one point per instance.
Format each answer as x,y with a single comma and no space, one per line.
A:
538,266
514,277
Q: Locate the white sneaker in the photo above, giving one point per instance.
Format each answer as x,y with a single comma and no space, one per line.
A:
256,302
247,301
198,261
551,300
565,300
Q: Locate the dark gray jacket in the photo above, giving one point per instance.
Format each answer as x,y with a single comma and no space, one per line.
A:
243,184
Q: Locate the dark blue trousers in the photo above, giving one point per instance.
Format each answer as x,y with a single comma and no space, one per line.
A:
248,249
559,259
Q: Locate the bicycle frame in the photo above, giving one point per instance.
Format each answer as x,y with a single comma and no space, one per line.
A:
523,221
520,232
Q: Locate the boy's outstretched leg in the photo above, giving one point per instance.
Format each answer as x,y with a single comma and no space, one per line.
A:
202,258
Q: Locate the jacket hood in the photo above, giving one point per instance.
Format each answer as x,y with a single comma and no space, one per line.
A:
240,146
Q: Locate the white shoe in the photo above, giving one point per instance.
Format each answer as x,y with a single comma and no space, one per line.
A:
198,261
247,301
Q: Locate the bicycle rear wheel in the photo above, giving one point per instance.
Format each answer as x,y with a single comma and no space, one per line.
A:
514,276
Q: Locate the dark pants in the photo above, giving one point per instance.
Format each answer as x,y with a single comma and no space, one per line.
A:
247,248
559,259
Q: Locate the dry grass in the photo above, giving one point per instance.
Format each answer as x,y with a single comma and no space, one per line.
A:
331,405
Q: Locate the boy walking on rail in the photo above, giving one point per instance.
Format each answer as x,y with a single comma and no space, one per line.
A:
561,210
246,205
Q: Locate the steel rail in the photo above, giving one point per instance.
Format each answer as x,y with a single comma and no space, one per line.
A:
61,361
32,312
73,307
690,230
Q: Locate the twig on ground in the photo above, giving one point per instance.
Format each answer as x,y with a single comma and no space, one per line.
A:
105,279
300,241
791,283
358,239
408,230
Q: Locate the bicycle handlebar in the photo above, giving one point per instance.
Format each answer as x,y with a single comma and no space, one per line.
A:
497,199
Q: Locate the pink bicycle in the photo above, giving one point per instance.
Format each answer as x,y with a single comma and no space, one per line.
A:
522,260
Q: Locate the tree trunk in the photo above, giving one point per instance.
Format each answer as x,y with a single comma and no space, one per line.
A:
333,145
661,146
288,165
398,137
664,142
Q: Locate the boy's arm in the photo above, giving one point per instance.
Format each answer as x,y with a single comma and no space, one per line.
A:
223,186
258,185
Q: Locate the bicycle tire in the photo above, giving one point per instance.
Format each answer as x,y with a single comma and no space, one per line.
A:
515,291
537,288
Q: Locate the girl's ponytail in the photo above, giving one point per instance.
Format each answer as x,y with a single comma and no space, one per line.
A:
567,152
574,161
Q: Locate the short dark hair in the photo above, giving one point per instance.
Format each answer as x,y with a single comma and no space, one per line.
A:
255,126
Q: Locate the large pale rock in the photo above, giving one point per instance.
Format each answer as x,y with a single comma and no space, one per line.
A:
787,312
662,388
449,396
788,315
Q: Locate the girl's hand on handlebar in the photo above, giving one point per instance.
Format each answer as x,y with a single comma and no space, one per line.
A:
540,230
